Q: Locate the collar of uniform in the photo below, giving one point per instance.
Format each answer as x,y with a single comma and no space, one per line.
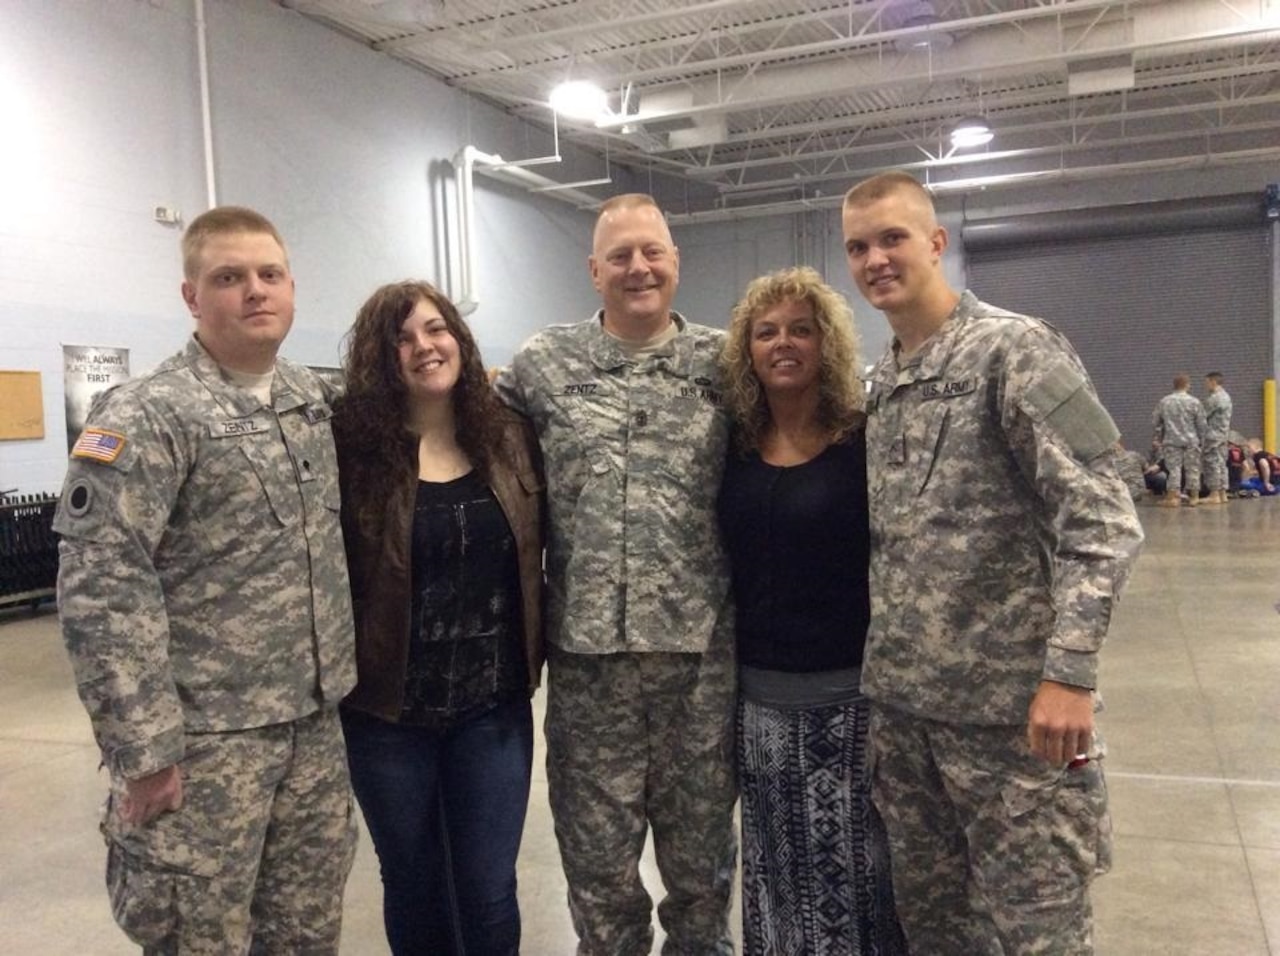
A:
235,400
675,356
286,392
934,353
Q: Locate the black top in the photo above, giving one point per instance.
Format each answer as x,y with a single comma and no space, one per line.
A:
465,649
798,542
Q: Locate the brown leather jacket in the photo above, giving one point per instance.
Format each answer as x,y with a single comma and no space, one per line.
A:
379,559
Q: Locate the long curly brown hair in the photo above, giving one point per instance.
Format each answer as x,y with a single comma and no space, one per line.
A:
841,395
370,418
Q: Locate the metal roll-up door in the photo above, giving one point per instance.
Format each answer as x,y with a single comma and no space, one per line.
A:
1140,305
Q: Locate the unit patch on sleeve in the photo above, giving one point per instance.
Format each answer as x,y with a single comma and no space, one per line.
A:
79,498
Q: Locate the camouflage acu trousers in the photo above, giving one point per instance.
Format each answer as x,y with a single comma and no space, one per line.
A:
1213,465
993,849
256,859
635,739
1182,463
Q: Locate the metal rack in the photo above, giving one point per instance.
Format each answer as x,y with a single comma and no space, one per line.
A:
28,549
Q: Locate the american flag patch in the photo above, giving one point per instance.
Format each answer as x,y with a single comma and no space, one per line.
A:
98,444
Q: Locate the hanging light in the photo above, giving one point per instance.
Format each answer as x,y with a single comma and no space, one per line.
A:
912,15
971,131
579,99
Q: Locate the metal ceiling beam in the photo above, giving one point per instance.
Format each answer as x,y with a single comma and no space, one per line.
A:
996,107
991,182
974,55
1199,139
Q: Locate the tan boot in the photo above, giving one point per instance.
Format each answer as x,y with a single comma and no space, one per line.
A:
1192,500
1223,498
1210,499
1170,500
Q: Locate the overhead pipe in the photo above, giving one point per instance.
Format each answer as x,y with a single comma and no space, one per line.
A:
206,110
1162,217
466,164
463,165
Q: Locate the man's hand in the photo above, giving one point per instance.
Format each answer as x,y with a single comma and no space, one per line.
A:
148,797
1060,722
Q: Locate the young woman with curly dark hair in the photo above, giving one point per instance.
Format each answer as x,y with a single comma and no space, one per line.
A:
442,499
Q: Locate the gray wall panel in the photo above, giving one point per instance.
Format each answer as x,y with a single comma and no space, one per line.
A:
1140,308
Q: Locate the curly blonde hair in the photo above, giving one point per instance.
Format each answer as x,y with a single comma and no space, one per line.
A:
840,398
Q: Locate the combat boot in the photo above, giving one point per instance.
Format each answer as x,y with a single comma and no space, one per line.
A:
1192,500
1170,500
1210,499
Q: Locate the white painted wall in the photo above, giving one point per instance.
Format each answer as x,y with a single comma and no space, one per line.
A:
349,152
346,150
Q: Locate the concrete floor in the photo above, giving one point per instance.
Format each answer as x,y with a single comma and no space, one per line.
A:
1190,677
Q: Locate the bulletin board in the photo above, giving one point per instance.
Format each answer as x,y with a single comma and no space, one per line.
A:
21,406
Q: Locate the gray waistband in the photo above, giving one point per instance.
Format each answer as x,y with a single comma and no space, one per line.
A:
782,690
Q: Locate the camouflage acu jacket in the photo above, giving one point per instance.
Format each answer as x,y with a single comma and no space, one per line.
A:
1001,533
1179,421
1217,415
633,453
202,583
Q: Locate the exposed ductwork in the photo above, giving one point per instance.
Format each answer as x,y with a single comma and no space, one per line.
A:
468,161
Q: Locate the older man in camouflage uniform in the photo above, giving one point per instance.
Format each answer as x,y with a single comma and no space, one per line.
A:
640,672
1001,537
1217,432
204,602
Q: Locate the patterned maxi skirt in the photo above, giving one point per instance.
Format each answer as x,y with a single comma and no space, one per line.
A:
815,858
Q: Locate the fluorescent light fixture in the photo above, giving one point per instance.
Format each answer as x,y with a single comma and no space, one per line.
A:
407,13
579,99
1100,75
971,131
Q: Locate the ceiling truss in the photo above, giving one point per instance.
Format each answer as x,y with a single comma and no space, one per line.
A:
745,99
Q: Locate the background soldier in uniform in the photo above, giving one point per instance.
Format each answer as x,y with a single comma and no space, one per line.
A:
1178,427
1217,431
204,603
640,670
1001,537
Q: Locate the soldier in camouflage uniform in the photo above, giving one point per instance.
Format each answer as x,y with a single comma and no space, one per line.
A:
1178,425
1132,467
641,679
1217,431
204,603
1001,537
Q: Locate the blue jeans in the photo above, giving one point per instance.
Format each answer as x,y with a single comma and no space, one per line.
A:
445,812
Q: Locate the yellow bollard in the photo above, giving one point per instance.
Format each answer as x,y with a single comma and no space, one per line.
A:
1269,415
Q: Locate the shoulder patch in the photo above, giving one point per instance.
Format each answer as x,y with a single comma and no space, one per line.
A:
79,498
99,444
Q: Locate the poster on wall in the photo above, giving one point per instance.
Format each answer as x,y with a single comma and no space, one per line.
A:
86,371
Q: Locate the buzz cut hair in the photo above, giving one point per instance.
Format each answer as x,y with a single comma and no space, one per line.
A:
627,201
886,184
1182,380
1215,377
221,221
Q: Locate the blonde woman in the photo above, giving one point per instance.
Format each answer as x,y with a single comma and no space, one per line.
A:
793,512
